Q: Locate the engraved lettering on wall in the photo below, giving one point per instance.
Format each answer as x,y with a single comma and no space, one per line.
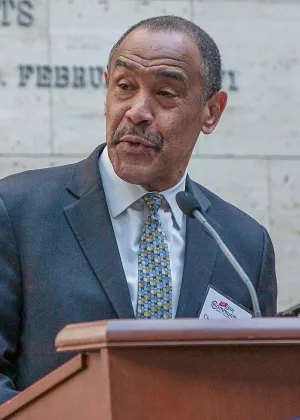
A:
18,12
76,77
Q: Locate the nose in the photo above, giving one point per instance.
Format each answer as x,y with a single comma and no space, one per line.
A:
140,112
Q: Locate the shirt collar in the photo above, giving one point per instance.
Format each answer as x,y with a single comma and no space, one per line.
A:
120,194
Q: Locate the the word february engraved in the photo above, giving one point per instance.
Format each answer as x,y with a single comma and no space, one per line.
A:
77,77
16,11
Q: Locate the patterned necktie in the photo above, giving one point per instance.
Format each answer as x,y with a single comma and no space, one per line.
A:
154,272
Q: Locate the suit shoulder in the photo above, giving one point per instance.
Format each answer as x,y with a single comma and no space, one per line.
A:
38,176
33,182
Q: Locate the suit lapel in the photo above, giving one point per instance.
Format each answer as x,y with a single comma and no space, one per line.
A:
200,256
90,221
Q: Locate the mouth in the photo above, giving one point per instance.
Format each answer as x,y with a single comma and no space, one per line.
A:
136,141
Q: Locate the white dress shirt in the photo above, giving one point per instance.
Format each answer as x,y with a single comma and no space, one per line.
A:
128,212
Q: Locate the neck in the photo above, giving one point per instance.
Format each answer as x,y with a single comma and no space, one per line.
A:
163,185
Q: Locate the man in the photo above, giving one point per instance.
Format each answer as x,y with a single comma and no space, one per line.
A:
105,238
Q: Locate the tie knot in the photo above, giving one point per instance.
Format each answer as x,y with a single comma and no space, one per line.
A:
153,201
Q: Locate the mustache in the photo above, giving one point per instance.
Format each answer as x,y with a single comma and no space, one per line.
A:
155,139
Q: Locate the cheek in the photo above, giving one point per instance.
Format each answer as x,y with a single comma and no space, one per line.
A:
190,123
115,114
180,132
175,126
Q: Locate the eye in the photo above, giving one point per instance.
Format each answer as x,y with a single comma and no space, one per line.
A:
124,86
166,93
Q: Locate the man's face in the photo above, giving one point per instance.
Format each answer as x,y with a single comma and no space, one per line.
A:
154,112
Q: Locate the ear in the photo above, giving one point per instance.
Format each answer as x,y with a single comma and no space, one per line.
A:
106,78
213,111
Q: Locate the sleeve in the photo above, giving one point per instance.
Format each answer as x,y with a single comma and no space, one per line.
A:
10,306
267,284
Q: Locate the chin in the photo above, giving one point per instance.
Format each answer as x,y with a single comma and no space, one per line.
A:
134,175
138,170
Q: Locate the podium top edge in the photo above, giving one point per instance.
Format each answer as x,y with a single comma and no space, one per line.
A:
91,336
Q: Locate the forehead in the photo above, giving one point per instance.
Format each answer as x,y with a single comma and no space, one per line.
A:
150,49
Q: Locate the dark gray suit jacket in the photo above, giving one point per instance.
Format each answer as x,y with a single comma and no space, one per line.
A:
59,264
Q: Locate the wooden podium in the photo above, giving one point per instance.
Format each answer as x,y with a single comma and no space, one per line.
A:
180,369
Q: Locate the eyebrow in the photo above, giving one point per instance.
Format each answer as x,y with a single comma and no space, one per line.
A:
122,63
172,74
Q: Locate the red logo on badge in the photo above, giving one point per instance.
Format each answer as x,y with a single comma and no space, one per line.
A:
223,304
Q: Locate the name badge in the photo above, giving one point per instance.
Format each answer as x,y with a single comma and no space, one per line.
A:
218,306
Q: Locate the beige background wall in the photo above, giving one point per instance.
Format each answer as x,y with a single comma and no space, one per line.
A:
52,55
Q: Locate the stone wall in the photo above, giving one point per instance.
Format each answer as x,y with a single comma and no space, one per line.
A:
53,53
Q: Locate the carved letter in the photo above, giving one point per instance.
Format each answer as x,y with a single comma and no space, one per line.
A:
61,76
96,75
5,5
2,82
232,86
25,17
25,73
79,77
44,76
